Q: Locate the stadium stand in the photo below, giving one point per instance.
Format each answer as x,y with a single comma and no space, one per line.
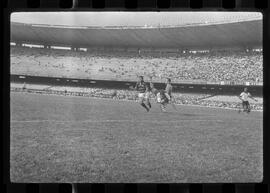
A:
237,66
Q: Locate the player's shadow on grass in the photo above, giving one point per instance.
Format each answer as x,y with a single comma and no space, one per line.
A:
181,114
192,114
188,114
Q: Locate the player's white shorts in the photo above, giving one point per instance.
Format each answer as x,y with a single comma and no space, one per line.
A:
141,95
147,95
158,98
144,95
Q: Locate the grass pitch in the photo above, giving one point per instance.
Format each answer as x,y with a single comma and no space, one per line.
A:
78,139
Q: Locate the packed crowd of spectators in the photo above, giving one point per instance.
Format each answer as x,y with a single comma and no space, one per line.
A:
215,66
180,98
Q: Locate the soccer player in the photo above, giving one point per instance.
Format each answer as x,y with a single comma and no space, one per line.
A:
245,103
144,93
163,99
168,93
160,95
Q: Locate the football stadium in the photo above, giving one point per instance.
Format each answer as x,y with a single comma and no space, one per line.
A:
75,108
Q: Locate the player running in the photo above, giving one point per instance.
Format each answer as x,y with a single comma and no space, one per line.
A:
161,96
245,103
163,99
168,90
144,93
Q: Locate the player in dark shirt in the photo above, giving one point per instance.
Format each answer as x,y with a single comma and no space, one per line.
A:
143,93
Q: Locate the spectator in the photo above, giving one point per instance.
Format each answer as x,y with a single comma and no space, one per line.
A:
237,66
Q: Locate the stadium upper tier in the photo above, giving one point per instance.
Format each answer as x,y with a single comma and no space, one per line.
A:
200,35
237,66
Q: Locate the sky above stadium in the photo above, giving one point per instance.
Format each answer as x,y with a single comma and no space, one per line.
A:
130,18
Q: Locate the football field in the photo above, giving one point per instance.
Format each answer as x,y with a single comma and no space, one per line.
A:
79,139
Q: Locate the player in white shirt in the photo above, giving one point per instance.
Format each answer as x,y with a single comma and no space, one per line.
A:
161,96
244,97
168,93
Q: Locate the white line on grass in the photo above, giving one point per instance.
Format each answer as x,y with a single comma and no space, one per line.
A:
213,107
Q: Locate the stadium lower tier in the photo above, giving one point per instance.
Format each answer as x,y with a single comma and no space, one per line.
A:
238,66
180,98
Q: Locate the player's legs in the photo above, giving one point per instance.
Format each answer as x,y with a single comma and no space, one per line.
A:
172,102
141,101
147,99
240,108
163,104
248,107
158,98
245,106
162,107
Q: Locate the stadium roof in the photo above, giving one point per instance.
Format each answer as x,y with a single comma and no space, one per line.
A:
205,36
203,31
109,19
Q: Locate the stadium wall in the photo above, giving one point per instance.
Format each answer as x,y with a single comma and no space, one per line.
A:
214,89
